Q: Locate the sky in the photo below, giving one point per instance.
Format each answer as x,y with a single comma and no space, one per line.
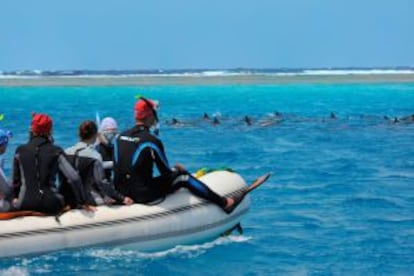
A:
220,34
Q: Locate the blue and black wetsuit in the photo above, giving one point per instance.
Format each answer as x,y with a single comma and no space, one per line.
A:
36,165
136,152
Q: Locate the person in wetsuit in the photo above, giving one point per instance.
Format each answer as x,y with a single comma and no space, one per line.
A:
35,167
105,147
136,152
408,119
88,162
216,121
248,120
5,188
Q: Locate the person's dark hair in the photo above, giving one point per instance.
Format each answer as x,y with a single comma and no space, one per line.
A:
87,130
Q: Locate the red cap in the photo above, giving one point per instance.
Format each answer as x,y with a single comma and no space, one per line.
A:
144,109
41,124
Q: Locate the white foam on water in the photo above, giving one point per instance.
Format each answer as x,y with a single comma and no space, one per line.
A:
14,271
288,143
303,187
384,172
216,114
355,72
185,251
29,74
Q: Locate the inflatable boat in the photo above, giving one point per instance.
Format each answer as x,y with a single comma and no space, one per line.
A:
179,219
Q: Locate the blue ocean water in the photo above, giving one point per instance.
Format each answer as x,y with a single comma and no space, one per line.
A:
341,200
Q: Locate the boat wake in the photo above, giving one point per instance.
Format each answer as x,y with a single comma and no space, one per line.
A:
180,251
93,256
14,271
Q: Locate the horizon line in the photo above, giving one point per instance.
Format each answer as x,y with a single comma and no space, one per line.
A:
398,67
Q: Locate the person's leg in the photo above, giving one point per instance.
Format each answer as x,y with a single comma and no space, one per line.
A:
196,187
51,203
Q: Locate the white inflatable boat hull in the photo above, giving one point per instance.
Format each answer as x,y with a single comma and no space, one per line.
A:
180,219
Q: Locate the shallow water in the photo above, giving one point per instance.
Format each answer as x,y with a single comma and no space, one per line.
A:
341,200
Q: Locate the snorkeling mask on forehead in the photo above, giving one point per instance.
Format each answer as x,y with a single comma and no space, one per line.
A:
151,105
154,112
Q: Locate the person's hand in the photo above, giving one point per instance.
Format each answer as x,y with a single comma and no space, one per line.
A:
179,167
89,208
128,201
101,138
108,200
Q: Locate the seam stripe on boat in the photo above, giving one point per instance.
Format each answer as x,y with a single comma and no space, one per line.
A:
172,233
108,223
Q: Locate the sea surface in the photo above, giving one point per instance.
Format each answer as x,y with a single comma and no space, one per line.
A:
208,72
341,200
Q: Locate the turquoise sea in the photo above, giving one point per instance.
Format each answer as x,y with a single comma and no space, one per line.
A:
341,200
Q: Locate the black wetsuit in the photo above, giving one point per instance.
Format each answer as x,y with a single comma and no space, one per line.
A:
36,165
136,150
107,153
88,162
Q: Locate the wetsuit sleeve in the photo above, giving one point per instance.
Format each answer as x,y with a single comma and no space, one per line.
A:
161,160
73,179
103,185
16,177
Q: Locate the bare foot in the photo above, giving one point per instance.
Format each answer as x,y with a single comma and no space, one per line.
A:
128,201
229,202
89,208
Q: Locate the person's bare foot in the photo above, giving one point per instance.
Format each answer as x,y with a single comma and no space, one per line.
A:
229,202
232,203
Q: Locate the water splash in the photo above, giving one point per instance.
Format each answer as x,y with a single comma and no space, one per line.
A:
181,251
14,271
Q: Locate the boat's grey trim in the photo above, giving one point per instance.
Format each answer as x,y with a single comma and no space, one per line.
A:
105,223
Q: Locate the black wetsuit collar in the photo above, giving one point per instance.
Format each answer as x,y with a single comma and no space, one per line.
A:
140,128
39,140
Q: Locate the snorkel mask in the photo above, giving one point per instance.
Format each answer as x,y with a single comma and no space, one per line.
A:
109,136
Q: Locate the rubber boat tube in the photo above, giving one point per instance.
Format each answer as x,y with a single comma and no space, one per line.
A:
180,219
